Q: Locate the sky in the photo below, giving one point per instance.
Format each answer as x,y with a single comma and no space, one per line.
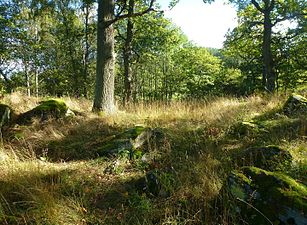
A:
204,24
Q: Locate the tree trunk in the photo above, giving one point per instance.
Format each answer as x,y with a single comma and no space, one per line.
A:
128,55
86,50
28,83
269,76
70,38
36,83
104,89
7,81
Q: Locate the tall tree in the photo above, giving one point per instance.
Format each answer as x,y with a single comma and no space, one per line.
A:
128,54
272,12
104,89
105,72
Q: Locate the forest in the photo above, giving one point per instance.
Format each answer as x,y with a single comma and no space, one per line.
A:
109,114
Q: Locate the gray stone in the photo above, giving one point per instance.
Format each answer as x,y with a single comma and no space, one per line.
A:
132,143
263,197
269,158
296,104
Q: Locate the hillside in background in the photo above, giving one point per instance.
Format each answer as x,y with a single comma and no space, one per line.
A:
220,160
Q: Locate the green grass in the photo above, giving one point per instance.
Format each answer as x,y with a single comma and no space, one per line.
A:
50,172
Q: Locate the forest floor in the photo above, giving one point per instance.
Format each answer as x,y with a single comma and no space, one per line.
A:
50,173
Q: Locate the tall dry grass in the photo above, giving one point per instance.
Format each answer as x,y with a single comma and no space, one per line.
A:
36,190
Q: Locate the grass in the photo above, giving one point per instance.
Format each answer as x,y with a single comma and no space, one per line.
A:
50,172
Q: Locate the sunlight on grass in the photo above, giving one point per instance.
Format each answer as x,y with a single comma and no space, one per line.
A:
50,173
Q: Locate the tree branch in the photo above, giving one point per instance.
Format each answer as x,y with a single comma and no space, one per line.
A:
122,9
128,15
256,4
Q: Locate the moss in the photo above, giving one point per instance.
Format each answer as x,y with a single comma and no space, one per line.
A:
131,133
241,176
139,129
274,194
49,108
280,184
251,127
245,128
271,129
121,144
52,104
270,158
299,97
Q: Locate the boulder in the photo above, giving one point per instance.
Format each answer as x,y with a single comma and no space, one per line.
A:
6,115
131,143
296,104
248,128
121,144
263,197
53,108
271,158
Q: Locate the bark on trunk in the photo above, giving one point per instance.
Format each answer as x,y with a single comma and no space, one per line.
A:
104,89
128,55
86,50
268,74
36,83
269,77
27,76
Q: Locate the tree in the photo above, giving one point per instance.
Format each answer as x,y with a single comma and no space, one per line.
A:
155,40
128,54
242,50
104,88
272,12
197,69
86,9
244,45
9,31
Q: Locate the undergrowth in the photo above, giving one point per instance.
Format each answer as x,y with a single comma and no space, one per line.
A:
50,172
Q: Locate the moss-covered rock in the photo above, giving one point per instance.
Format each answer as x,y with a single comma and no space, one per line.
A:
271,158
121,144
296,104
7,115
248,128
131,143
52,108
263,197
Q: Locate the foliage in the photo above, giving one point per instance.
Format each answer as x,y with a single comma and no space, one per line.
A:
244,45
48,48
50,41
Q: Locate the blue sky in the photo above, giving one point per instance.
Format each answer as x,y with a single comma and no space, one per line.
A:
204,24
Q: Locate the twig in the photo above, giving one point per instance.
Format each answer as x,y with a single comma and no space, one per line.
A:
241,200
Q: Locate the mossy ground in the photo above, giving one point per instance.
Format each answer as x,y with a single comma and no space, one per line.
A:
53,175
